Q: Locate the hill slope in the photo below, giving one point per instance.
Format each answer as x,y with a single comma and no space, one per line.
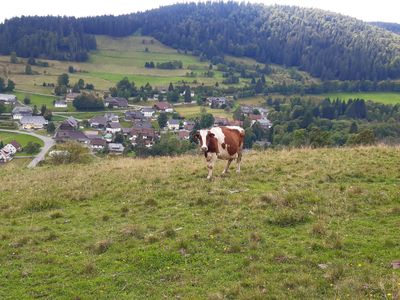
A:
295,224
325,44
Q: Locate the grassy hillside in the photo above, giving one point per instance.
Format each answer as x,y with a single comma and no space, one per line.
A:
386,98
294,224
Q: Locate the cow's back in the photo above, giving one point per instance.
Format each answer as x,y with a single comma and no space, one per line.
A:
230,138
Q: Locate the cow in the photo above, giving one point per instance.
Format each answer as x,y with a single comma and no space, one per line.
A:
223,142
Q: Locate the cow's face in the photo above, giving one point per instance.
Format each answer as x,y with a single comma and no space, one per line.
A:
204,136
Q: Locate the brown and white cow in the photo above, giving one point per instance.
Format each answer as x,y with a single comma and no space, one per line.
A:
224,142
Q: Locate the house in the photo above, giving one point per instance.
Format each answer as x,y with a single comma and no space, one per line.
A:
221,121
173,124
115,148
254,118
216,102
145,135
126,130
12,148
60,104
97,144
155,97
5,156
21,111
98,122
184,134
62,136
16,145
91,134
116,102
70,97
148,112
133,115
265,123
188,125
8,99
33,122
108,137
69,124
113,127
163,107
111,117
142,124
246,110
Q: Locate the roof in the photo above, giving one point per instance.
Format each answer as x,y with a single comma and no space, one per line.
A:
162,105
71,121
134,115
117,101
116,147
15,144
37,120
183,134
98,142
143,131
147,109
174,122
60,102
72,95
8,97
254,117
114,125
99,120
143,124
22,109
70,135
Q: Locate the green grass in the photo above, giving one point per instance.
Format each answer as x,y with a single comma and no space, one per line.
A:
36,99
22,139
194,111
300,224
386,98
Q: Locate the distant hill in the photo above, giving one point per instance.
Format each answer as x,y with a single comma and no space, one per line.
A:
325,44
393,27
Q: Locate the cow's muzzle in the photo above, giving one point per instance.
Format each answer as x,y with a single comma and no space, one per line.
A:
204,148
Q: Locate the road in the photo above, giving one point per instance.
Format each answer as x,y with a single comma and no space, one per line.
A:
48,143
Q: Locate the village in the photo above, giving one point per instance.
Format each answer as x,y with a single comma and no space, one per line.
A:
122,124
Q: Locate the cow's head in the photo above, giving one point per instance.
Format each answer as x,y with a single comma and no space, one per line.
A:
204,136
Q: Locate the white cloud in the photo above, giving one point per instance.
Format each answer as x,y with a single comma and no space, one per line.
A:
383,10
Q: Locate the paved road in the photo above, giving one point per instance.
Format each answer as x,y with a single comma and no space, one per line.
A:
48,143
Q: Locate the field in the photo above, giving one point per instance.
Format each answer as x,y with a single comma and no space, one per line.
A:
191,112
386,98
22,139
257,100
300,224
114,59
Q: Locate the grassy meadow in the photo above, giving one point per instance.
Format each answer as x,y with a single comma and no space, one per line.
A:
300,224
381,97
193,111
22,139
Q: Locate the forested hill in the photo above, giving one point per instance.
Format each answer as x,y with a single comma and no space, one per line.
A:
328,45
393,27
60,38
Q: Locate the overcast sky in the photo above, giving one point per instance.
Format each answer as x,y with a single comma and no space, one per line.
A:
367,10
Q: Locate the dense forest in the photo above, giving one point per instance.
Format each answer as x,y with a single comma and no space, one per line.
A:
327,45
393,27
59,38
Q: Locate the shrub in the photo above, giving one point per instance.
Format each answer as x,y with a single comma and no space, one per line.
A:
71,152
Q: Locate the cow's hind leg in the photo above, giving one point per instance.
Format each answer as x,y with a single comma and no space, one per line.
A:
211,159
226,170
238,161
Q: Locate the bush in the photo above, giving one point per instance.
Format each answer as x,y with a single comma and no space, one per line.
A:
68,153
32,148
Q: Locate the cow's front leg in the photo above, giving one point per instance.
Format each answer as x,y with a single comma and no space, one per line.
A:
211,159
227,166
